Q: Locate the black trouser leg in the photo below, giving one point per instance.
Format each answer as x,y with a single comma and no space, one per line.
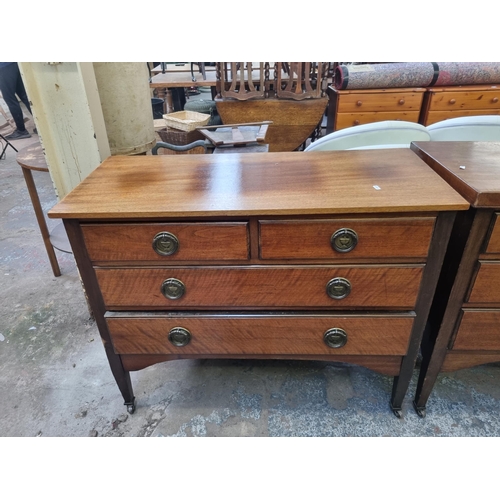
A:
8,86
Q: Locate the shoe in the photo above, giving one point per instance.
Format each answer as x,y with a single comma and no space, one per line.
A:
18,134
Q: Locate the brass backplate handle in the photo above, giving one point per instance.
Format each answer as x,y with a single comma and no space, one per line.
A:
165,243
344,240
179,336
173,289
335,338
338,288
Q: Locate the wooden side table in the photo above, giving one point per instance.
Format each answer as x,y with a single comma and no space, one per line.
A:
32,158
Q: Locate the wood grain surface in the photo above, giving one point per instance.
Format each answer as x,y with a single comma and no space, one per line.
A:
494,241
324,182
479,330
486,288
261,286
272,334
197,241
377,237
479,181
395,101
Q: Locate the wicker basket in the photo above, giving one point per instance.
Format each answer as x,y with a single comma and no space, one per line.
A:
186,120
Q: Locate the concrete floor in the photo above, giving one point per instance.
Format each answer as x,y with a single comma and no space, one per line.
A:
55,380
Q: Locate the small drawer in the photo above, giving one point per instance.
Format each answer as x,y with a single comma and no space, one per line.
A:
284,334
346,238
494,241
356,103
473,99
479,331
439,116
486,289
345,120
312,287
167,242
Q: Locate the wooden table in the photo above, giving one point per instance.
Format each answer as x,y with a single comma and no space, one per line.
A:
319,256
32,158
464,326
163,83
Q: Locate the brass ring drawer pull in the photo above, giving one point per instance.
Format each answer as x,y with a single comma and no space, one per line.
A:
338,288
335,338
173,288
165,243
344,240
179,336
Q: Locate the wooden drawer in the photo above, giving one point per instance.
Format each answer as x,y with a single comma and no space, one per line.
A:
376,238
486,289
494,241
360,103
479,331
438,116
345,120
261,287
465,99
197,241
225,334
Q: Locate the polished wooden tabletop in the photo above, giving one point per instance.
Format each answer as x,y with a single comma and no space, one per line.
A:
296,183
472,168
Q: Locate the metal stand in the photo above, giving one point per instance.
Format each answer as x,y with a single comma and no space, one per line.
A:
7,144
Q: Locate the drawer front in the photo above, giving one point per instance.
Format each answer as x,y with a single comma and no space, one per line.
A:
479,331
438,116
494,241
134,242
403,101
261,287
258,334
345,120
346,238
474,99
486,289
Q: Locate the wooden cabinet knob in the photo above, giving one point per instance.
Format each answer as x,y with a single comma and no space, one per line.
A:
401,101
452,101
359,103
495,99
356,122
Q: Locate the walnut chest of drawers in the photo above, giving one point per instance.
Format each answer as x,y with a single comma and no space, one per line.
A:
347,108
441,103
464,325
321,256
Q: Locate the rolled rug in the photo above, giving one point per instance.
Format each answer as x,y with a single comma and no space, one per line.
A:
385,75
468,73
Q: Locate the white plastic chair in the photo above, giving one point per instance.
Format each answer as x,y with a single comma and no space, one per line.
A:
466,128
384,134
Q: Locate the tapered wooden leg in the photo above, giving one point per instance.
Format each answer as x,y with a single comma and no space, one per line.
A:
35,200
96,302
437,251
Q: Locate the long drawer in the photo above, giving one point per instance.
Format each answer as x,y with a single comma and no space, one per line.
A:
467,99
486,289
380,101
345,120
494,241
261,287
260,334
346,238
479,331
439,116
173,242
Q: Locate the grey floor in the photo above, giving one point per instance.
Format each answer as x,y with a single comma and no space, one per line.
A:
55,380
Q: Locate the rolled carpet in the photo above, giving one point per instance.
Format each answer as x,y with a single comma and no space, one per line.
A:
417,74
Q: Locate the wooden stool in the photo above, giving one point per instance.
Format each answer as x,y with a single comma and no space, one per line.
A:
32,158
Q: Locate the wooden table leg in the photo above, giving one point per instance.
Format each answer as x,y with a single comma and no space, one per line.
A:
35,200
